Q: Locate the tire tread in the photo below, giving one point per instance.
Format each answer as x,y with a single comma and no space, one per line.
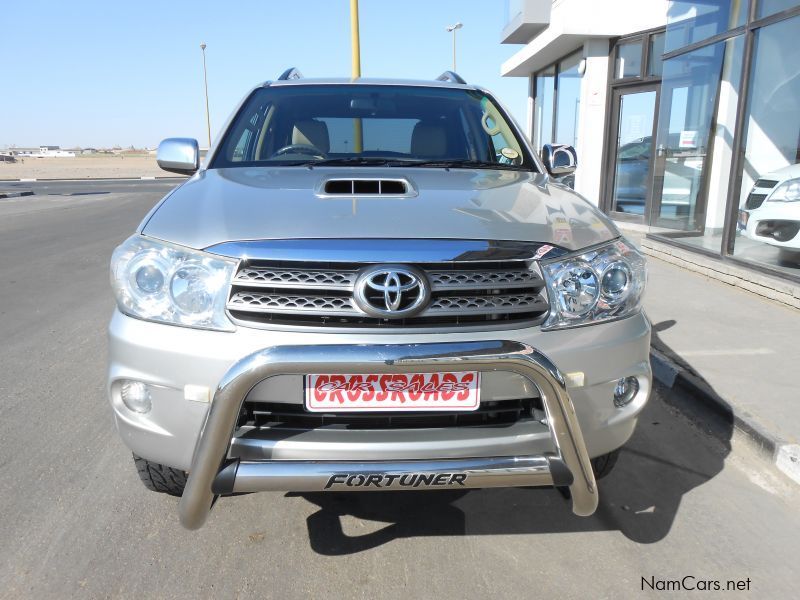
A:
160,478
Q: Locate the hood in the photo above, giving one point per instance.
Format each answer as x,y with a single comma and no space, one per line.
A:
790,172
223,205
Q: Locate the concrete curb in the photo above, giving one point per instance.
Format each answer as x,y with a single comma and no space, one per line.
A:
4,195
777,451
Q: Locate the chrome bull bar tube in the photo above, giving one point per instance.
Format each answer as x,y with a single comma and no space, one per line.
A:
568,465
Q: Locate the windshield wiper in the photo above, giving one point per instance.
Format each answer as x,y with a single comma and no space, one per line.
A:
349,161
456,164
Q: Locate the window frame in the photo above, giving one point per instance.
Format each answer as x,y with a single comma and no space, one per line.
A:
556,72
645,38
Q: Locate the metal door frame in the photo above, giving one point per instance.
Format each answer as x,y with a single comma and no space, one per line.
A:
611,145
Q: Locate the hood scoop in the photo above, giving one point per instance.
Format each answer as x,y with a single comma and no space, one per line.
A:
366,187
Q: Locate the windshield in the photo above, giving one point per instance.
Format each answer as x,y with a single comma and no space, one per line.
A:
371,124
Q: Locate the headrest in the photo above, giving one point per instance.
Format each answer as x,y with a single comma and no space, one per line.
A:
311,133
429,139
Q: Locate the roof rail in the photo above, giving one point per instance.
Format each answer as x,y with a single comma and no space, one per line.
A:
451,77
290,73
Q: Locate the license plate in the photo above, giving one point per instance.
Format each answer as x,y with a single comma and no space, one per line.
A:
744,216
393,392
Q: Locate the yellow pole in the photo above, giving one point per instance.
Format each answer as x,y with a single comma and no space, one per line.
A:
354,39
355,45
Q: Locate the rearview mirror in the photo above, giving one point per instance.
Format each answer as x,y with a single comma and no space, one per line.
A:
559,159
179,155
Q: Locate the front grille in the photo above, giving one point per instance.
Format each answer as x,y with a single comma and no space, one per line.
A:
321,294
766,183
294,416
755,200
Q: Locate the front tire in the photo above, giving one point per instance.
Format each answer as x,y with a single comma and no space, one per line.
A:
603,465
160,478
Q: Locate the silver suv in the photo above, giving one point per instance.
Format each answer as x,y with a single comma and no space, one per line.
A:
374,285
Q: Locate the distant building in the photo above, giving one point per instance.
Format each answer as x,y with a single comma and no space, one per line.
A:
45,152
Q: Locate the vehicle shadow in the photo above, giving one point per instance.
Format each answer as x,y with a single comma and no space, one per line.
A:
670,453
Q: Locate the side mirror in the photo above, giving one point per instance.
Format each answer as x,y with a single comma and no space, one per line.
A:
179,155
559,159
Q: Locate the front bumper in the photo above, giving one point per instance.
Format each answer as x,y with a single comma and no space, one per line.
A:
169,358
568,463
773,223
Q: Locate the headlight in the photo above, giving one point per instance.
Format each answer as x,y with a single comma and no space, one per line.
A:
599,285
788,191
161,282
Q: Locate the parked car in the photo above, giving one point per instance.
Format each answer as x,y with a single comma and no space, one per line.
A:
374,285
633,179
633,175
771,212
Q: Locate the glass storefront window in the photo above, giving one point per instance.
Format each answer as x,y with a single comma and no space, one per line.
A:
693,149
568,100
768,228
634,151
654,62
770,7
689,22
543,108
628,60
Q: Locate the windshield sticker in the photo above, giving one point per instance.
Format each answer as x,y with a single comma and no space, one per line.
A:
510,153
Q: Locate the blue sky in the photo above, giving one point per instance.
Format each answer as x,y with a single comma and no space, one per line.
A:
100,73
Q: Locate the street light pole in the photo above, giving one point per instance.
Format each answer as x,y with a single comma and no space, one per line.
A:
453,28
205,80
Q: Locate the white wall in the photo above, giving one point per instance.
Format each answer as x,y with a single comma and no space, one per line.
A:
574,21
592,119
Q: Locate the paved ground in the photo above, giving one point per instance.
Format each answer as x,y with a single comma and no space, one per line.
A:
95,187
82,166
699,328
76,522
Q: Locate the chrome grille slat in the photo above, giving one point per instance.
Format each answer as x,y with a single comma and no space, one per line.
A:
465,280
291,304
264,302
296,278
489,305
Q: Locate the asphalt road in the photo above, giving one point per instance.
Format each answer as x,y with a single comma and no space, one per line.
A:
90,187
76,522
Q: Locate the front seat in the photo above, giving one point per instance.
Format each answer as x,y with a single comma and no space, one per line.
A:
429,140
312,133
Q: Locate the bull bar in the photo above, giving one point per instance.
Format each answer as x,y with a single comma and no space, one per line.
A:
211,473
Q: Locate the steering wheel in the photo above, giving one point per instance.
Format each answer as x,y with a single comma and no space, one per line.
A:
300,149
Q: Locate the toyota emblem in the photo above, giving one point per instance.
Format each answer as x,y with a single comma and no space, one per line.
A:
391,291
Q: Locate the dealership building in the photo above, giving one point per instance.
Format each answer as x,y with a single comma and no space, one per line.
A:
685,117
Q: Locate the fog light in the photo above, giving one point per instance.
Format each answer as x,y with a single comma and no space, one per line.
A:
136,396
625,391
